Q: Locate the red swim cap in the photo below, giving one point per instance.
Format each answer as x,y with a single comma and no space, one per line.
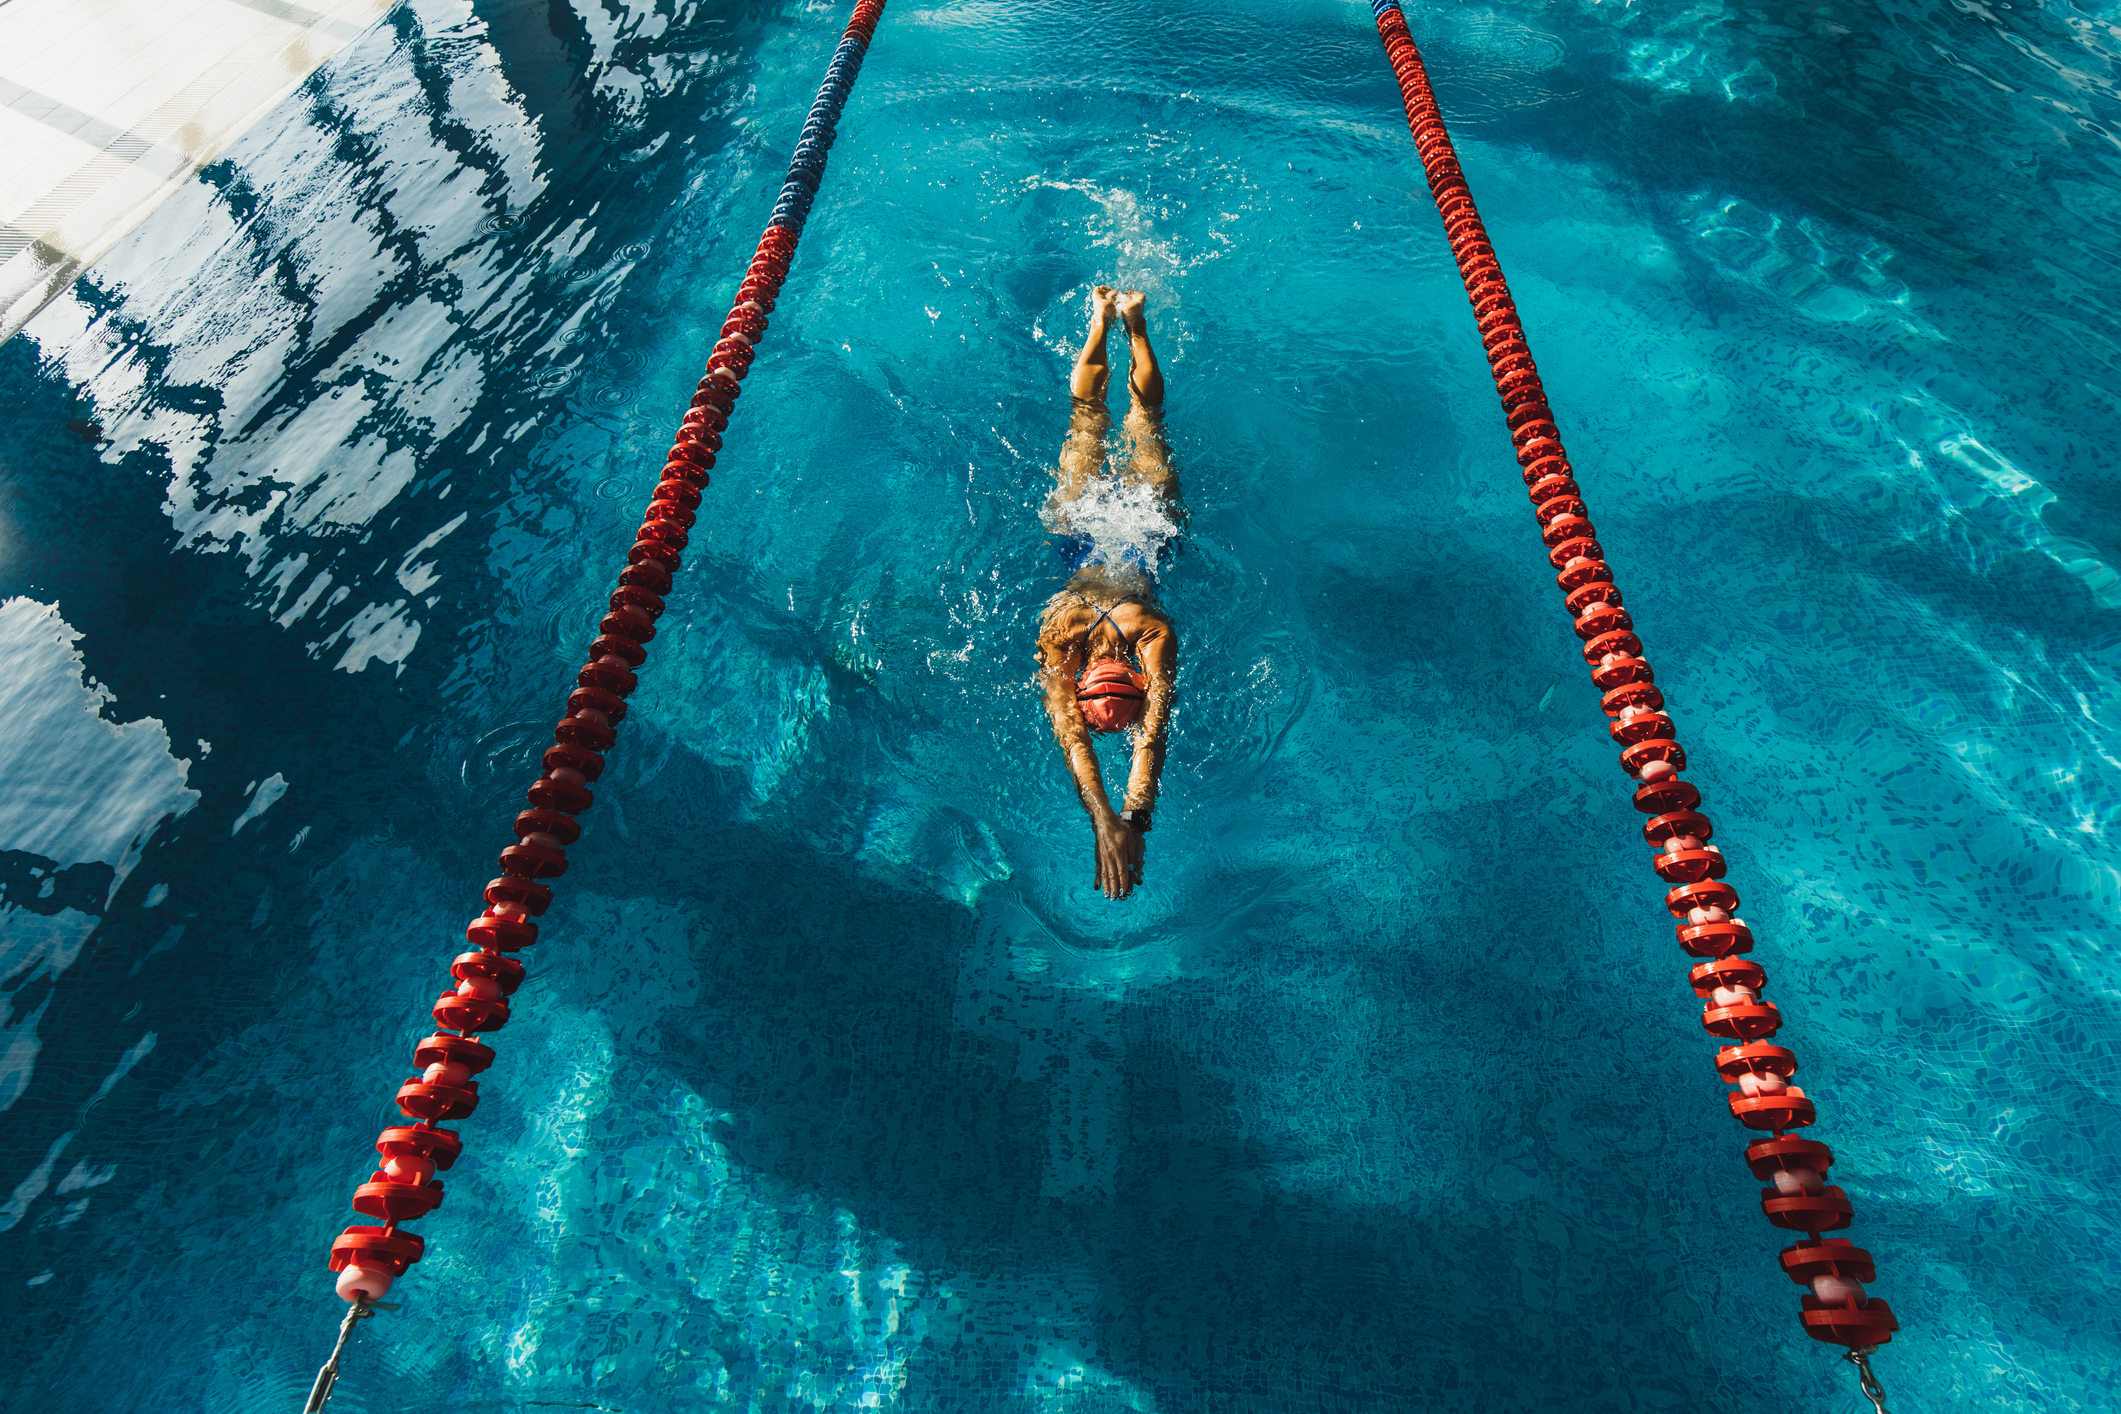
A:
1111,694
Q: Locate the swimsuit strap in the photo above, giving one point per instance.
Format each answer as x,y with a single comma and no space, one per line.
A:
1104,616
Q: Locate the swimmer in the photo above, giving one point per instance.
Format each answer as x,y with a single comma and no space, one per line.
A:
1107,652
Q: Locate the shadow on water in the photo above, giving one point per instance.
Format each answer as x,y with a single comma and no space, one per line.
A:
837,1036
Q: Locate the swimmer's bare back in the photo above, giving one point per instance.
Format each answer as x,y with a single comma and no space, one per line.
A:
1106,612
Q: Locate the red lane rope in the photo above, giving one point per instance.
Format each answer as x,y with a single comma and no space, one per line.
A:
1837,1310
369,1258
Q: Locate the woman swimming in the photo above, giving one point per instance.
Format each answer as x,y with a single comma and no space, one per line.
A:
1108,654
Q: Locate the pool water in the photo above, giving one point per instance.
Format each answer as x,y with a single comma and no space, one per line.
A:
836,1084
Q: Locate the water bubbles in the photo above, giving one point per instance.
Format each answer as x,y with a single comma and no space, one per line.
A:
1122,518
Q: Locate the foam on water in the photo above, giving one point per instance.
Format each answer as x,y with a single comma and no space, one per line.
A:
1119,515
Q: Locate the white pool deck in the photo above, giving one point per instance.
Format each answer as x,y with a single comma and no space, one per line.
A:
107,107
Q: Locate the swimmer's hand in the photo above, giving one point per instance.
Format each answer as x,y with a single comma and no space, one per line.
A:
1119,856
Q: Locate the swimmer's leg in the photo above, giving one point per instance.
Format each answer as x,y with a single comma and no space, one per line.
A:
1144,379
1145,408
1092,372
1083,454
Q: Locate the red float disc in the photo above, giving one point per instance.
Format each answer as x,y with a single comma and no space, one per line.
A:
421,1141
596,699
504,934
1621,673
1632,694
1825,1211
1660,828
1603,622
532,897
437,1101
474,1056
625,650
1642,753
1573,577
1873,1325
1671,793
549,794
627,625
1828,1257
533,861
1690,866
577,731
1623,642
651,575
539,821
505,971
392,1253
1745,1021
1710,894
628,596
1754,1059
1715,939
565,757
1556,507
1565,528
1790,1110
1627,731
395,1202
1726,972
1766,1156
671,535
462,1013
614,680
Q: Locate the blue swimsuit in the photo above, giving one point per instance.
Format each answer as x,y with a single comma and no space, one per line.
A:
1080,553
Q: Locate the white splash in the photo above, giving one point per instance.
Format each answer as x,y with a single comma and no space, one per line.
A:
1118,516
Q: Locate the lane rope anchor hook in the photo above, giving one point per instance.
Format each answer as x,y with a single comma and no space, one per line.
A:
328,1374
1872,1390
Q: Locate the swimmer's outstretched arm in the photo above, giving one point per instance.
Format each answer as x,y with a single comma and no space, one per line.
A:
1119,847
1157,648
1119,854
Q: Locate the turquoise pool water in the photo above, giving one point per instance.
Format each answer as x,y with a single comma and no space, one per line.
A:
836,1086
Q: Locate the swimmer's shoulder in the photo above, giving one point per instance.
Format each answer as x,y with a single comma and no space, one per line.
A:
1150,610
1064,620
1061,607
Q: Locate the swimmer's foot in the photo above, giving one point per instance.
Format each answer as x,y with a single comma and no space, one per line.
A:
1101,304
1128,305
